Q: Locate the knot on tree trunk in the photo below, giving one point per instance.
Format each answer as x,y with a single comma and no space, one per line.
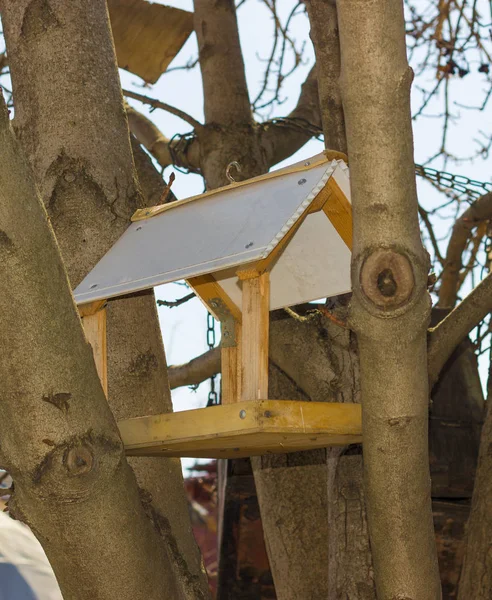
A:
71,469
387,279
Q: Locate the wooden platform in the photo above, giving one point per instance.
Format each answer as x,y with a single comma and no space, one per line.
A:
245,428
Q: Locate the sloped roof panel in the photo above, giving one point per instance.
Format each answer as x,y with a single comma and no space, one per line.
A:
225,229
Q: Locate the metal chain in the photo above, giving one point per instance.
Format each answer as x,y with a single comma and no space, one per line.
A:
461,184
213,397
471,188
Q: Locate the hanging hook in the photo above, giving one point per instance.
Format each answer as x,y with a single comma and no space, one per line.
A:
234,163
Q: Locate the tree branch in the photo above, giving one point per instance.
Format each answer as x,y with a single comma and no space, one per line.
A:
281,138
177,302
167,107
444,338
479,211
221,63
197,370
166,152
324,35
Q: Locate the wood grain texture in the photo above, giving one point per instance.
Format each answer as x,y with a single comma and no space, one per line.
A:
254,360
95,333
248,428
231,370
339,210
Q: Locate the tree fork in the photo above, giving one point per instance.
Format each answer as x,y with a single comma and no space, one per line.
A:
70,118
70,466
390,306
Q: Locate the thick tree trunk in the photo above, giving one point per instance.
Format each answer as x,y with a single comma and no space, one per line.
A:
318,515
70,119
390,307
60,442
476,575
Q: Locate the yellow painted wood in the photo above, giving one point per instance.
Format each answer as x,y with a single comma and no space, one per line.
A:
254,358
91,308
247,428
95,333
230,384
146,213
339,210
208,290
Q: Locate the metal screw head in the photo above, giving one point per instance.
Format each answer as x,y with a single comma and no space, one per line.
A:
307,163
139,228
249,245
226,334
268,414
242,414
301,182
213,304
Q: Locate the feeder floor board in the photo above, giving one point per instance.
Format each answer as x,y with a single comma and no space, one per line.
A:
247,428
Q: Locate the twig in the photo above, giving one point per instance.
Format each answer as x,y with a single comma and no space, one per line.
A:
177,302
444,338
329,315
167,107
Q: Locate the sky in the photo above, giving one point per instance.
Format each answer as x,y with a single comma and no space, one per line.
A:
184,327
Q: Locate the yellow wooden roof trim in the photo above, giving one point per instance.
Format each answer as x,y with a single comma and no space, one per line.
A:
146,213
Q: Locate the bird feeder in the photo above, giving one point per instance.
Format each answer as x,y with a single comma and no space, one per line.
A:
254,246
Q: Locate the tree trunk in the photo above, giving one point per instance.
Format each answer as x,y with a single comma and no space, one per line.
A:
390,306
312,502
476,575
60,442
70,119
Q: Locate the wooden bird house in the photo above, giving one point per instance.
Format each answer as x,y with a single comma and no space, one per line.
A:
273,241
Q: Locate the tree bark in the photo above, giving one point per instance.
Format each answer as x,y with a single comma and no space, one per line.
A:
60,442
476,574
324,35
71,122
390,307
318,516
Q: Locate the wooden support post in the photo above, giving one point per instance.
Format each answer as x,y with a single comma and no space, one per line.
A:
231,368
94,323
254,360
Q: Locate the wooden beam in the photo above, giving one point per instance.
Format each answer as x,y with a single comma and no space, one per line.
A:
95,333
339,210
254,359
213,296
247,428
91,308
230,386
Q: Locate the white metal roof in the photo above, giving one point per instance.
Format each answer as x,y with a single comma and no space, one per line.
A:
216,231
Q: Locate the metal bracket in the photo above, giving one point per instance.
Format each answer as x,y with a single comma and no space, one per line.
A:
227,321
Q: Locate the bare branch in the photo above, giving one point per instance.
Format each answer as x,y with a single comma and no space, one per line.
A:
149,136
444,338
197,370
281,138
324,34
167,107
479,211
177,302
166,152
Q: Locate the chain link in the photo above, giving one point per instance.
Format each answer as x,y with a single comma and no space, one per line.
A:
471,188
213,397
